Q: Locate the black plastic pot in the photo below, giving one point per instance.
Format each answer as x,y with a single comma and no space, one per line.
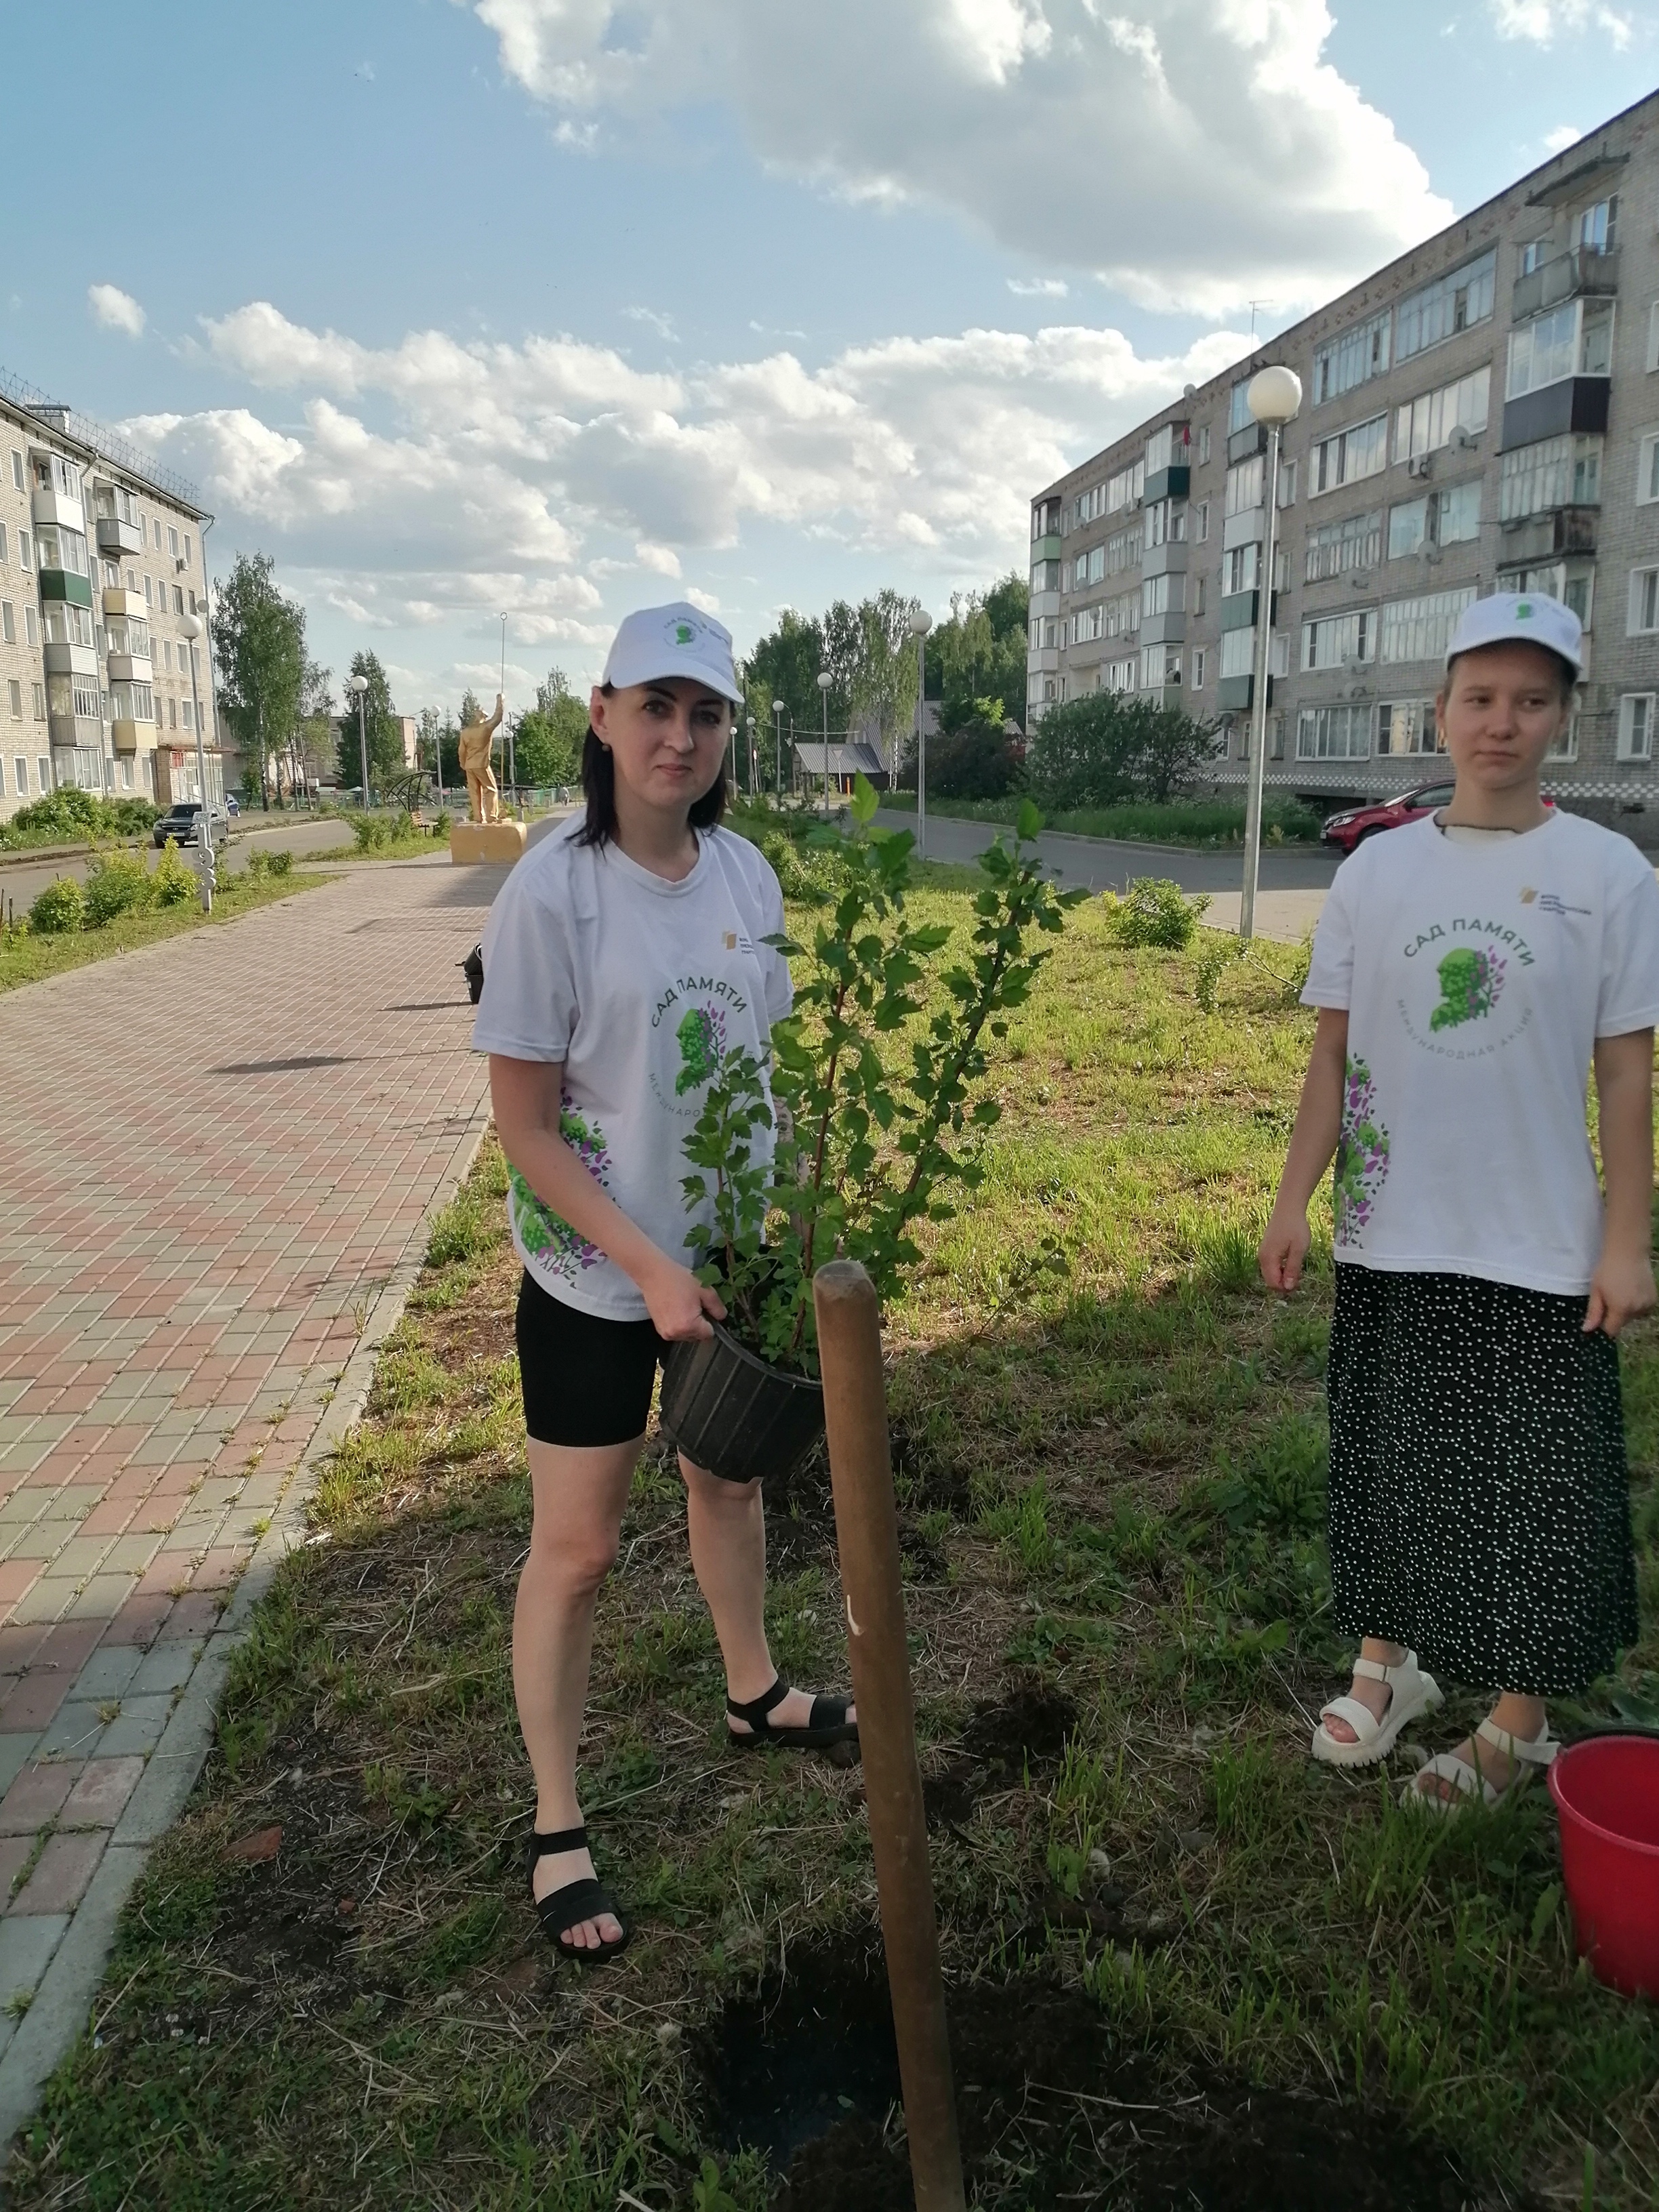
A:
731,1412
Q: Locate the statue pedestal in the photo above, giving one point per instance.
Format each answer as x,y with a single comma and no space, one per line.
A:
502,843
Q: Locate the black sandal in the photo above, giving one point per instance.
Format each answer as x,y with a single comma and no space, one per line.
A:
827,1725
566,1908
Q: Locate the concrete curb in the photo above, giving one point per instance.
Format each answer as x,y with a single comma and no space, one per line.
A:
64,1999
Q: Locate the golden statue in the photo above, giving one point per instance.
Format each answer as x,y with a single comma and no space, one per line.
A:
483,802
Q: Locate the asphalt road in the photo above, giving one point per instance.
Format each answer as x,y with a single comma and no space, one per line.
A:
1290,888
21,878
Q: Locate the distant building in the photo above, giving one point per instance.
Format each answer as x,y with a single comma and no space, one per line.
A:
100,561
845,763
409,731
1482,415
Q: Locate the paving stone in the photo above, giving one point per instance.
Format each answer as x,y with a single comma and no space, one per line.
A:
136,1728
166,1667
26,1949
73,1729
61,1874
110,1671
15,1751
101,1792
37,1797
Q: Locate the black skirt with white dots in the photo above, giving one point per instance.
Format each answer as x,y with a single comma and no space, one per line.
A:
1479,1504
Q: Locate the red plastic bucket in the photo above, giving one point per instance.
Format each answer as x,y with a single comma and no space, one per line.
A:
1606,1792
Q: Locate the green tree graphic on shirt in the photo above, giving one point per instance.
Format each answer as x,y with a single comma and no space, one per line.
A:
1469,984
702,1040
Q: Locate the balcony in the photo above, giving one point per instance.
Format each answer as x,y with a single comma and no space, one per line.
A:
57,508
1238,610
1234,694
70,659
1169,559
1573,403
1167,484
1167,628
1252,439
1045,548
116,539
1579,274
1547,537
124,736
65,584
118,602
129,668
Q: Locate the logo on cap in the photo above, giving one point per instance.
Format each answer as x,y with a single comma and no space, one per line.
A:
1524,611
680,633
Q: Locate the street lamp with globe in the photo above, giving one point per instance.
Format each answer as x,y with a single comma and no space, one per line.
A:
193,629
777,721
1274,398
921,622
359,685
825,679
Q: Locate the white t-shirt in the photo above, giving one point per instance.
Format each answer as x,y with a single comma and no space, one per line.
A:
639,986
1477,978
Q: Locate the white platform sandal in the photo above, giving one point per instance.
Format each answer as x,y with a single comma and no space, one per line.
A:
1413,1693
1527,1751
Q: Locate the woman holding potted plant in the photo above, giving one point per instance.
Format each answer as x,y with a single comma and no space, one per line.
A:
626,957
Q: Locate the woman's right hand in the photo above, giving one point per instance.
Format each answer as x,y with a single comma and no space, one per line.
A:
679,1305
1283,1248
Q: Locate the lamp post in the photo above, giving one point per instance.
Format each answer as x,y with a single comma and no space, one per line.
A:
438,756
359,685
1273,398
512,750
777,719
825,679
921,622
193,629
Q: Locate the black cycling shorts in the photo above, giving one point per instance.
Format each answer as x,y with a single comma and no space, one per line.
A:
586,1379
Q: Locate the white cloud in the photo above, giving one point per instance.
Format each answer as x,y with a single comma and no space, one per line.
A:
1562,136
663,325
431,484
1200,153
1038,288
115,309
706,600
1541,20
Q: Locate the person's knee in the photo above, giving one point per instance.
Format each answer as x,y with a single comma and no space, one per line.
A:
575,1564
713,1490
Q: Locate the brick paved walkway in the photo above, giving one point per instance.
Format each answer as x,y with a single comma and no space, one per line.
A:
216,1153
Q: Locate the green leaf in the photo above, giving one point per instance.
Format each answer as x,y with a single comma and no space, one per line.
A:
1029,821
1543,1913
864,801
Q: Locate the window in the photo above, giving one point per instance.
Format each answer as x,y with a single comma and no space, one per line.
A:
1239,416
1166,523
1088,569
186,549
166,655
1439,518
147,596
4,556
1122,551
1423,426
1420,628
1596,228
1534,254
1348,455
1278,654
157,526
179,597
54,474
1163,595
1169,448
65,624
131,703
1202,521
1119,676
1340,640
1123,615
1407,725
1203,445
126,774
1565,747
1354,358
57,548
1287,484
20,770
185,712
1564,471
1653,337
1124,488
43,770
15,691
16,470
1198,668
172,541
1553,579
1198,595
1643,601
1159,664
1456,301
40,691
1355,541
1574,340
1238,653
1045,577
1636,717
23,548
1240,570
1647,469
1244,485
8,622
31,626
1334,734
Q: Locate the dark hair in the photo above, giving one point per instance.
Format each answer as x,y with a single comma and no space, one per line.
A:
599,789
1567,674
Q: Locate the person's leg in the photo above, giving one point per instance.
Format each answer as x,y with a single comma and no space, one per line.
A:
579,1493
727,1526
1519,1716
1372,1694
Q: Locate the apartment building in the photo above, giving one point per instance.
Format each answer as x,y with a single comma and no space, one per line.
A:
1482,415
101,562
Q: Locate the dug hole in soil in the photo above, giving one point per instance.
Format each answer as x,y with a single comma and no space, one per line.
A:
805,2069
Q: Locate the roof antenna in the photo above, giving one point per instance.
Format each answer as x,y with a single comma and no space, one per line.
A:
1254,304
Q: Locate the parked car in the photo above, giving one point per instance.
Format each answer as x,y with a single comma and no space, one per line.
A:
179,822
1355,824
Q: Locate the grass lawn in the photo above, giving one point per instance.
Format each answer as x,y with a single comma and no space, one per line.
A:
1203,823
1187,1967
27,958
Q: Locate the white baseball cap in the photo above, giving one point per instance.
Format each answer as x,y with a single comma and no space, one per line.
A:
678,639
1528,616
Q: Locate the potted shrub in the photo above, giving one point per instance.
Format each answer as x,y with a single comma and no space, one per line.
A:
869,1144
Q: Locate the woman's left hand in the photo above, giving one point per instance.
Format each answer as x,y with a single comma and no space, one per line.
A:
1621,1289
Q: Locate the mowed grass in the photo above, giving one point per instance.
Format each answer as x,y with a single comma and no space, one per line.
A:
27,958
1111,1459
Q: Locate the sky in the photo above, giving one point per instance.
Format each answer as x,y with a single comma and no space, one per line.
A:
555,308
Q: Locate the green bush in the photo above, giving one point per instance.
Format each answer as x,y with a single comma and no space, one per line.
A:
1154,911
380,832
58,908
174,879
117,883
261,863
74,815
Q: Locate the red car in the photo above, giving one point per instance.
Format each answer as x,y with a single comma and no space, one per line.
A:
1355,824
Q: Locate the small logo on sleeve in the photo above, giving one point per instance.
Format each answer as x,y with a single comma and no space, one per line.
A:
1550,903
